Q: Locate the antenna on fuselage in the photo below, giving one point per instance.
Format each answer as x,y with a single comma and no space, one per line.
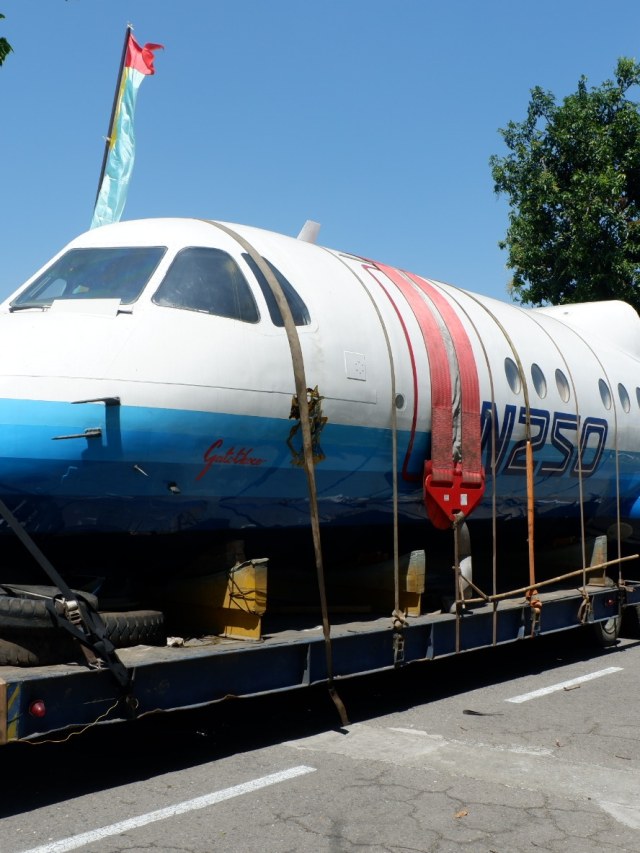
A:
309,231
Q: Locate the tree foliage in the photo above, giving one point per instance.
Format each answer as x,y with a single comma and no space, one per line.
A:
573,182
5,47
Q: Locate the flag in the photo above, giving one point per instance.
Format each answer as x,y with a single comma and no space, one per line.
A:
120,152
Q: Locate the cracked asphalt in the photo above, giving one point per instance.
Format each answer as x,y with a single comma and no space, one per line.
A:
435,759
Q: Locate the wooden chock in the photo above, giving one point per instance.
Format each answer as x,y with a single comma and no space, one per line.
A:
4,714
229,603
414,577
372,585
245,600
598,562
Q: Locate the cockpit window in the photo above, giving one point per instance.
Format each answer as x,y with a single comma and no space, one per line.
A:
97,273
207,280
297,306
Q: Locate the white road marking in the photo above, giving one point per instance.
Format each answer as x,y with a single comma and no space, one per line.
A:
628,815
76,841
564,685
615,790
522,750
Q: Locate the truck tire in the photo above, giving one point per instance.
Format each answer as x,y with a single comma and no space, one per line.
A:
40,591
135,628
28,612
606,633
42,647
36,648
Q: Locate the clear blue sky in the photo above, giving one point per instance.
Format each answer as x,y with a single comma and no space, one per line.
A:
376,118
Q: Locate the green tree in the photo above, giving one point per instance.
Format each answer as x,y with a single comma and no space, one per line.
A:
5,47
573,182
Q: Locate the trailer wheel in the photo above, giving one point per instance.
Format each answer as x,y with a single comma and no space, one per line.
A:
48,645
606,633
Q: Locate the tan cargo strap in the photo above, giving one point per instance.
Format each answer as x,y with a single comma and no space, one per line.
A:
301,393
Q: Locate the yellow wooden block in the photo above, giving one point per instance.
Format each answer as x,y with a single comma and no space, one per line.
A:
230,603
373,585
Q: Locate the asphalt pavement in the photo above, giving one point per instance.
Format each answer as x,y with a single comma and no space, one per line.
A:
528,747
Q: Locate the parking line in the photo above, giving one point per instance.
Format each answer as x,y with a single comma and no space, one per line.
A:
76,841
564,685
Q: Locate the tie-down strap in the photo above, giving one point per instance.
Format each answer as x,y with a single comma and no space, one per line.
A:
453,482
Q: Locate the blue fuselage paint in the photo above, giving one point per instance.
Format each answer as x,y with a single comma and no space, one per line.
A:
165,470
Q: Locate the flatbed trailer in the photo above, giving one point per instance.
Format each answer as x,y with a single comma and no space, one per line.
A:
38,701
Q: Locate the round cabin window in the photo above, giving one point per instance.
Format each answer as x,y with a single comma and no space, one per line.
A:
513,375
562,384
605,393
539,382
624,397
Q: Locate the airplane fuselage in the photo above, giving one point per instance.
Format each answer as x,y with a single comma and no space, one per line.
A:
150,391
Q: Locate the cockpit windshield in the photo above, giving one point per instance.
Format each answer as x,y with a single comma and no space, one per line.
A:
116,272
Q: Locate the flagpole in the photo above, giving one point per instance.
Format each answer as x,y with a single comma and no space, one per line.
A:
113,110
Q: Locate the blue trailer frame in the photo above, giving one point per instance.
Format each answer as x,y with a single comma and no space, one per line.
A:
35,702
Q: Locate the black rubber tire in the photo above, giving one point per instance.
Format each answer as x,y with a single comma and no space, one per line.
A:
606,633
39,591
135,628
42,647
36,648
28,612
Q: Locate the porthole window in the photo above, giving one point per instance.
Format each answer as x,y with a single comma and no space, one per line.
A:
605,393
638,396
563,386
400,401
513,375
624,397
539,382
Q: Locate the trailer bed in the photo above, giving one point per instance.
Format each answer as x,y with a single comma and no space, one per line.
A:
291,654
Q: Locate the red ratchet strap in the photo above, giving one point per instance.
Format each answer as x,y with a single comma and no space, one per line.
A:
450,487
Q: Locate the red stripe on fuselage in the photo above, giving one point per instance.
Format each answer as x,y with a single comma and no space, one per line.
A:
441,393
469,384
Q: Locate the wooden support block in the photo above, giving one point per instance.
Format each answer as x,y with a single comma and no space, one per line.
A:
4,716
373,585
414,584
230,603
598,557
